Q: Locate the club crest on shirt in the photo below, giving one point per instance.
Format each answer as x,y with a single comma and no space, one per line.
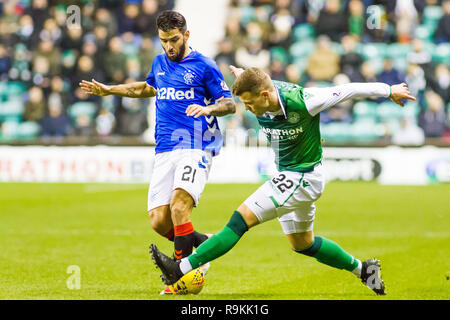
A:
188,77
307,95
293,117
224,86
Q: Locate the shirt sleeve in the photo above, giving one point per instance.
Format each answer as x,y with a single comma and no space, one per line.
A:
151,76
215,84
319,99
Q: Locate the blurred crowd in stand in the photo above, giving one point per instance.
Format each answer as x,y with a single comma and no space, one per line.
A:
331,42
42,61
308,42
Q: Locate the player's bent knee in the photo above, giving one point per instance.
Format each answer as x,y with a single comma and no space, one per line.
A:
250,218
181,206
181,200
155,220
180,209
305,244
301,241
160,220
179,214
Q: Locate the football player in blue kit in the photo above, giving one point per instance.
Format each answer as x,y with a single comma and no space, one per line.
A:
190,92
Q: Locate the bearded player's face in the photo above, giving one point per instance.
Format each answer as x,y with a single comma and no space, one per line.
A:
174,43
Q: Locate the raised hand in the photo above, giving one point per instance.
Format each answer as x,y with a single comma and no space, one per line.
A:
95,87
399,92
236,71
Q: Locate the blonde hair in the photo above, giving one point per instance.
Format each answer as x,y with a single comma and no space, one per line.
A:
252,80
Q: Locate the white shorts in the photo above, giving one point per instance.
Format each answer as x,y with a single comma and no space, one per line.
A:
187,169
290,196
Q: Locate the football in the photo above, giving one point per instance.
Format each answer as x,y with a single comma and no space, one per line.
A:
191,283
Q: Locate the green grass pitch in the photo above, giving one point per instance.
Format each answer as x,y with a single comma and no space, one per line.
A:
104,229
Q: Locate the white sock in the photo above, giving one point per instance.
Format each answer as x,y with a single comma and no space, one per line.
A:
357,270
185,265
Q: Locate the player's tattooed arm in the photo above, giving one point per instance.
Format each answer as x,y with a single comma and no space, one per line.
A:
131,90
221,108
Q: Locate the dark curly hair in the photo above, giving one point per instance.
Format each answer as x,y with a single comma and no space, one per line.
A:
169,20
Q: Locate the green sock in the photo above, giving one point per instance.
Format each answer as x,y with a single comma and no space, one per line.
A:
220,243
330,253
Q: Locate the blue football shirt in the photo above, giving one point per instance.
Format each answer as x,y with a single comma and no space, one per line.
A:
194,80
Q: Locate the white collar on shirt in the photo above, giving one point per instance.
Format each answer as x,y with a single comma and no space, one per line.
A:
279,112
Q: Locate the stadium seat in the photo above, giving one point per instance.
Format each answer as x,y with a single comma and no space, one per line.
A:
394,125
398,50
9,130
301,63
323,84
28,130
82,108
108,103
3,92
373,50
411,110
364,110
336,132
337,48
324,131
11,110
389,110
247,14
377,64
303,31
302,49
400,64
425,32
432,14
131,50
15,89
366,130
278,53
442,54
429,47
431,25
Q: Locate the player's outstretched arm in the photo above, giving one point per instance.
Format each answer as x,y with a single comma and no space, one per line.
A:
131,90
319,99
223,107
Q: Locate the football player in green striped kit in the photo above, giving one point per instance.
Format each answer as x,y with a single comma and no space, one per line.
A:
289,116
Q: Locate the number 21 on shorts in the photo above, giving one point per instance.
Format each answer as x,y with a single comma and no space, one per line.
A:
188,174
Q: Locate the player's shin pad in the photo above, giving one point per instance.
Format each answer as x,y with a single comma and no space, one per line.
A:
220,243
